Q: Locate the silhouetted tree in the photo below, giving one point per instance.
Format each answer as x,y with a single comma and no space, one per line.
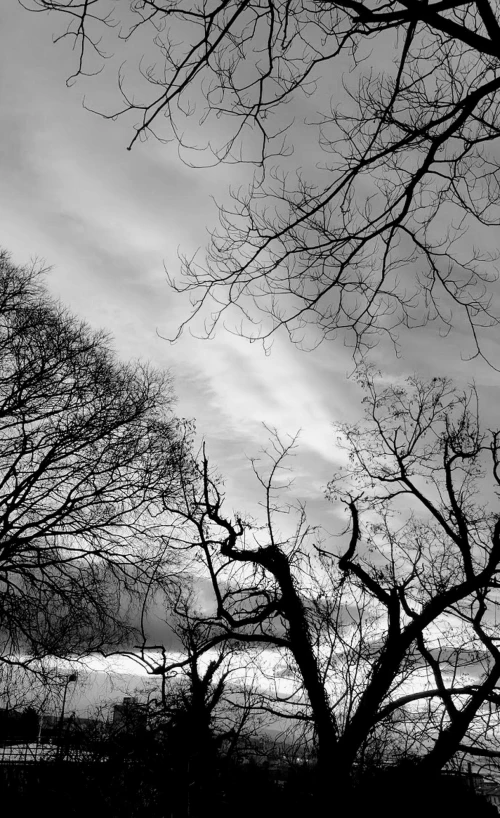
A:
89,451
400,617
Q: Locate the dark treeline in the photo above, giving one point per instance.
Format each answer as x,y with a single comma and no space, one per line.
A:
143,773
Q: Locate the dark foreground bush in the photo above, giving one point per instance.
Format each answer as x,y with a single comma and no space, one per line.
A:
106,790
396,793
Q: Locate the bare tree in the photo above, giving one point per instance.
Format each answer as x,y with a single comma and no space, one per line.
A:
389,639
89,451
255,579
374,230
427,555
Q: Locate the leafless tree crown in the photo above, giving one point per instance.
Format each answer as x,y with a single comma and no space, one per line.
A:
89,451
383,220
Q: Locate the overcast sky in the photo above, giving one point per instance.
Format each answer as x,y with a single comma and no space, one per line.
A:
107,220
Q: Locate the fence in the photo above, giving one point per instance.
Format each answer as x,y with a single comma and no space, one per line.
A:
27,753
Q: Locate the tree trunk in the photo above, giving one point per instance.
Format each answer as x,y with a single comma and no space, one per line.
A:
303,653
